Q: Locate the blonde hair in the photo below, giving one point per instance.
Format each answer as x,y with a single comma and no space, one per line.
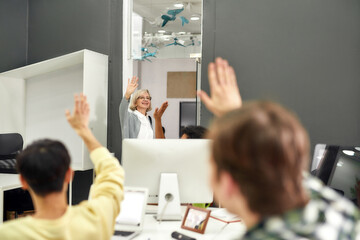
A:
135,97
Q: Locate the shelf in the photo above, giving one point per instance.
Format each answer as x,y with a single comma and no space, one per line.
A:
46,66
9,181
34,98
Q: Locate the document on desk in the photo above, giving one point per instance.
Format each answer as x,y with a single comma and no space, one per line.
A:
223,215
131,209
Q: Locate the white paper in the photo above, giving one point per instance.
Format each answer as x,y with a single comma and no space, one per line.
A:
131,208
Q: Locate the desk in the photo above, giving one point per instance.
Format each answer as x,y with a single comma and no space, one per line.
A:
154,230
215,229
7,182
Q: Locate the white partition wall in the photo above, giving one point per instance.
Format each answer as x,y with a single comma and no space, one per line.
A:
12,99
33,100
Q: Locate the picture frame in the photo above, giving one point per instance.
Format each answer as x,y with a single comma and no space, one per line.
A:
195,219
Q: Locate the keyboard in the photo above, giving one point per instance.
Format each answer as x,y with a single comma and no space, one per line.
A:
122,233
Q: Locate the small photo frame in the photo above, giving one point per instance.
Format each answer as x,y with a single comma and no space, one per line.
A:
195,219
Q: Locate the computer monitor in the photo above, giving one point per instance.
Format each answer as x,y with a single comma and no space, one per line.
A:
145,160
187,115
339,168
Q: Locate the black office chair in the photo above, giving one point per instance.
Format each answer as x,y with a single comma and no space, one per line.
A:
10,146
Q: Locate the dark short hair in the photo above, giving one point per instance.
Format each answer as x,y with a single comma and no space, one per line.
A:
265,149
43,165
194,132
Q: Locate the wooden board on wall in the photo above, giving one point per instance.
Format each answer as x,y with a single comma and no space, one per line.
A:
181,85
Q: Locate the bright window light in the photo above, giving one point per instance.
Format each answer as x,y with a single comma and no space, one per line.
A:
161,31
340,164
194,18
349,152
178,5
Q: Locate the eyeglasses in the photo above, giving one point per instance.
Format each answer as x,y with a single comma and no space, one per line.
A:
143,98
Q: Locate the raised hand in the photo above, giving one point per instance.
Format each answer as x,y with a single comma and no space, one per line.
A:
158,112
131,87
225,95
79,119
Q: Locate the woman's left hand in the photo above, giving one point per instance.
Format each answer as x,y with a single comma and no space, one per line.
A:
160,111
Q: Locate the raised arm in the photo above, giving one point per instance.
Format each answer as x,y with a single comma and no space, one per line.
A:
158,112
107,190
79,121
131,87
124,105
225,95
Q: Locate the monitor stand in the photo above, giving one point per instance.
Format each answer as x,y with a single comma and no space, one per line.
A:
169,198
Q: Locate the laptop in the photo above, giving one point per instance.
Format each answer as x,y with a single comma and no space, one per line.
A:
129,223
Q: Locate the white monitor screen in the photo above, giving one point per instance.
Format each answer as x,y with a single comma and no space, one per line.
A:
145,160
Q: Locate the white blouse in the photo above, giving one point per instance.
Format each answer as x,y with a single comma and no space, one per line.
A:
146,131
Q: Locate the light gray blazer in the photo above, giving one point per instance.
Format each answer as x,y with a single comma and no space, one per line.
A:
129,122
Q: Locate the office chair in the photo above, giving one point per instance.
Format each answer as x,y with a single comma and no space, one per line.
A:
10,146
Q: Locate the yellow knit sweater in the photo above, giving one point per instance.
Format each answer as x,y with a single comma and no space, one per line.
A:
92,219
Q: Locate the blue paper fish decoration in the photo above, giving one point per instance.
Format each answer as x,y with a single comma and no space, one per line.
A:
172,16
183,20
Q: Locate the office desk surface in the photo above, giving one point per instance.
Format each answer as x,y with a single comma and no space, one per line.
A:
9,181
154,230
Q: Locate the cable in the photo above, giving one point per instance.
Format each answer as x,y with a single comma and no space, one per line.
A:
162,212
168,197
220,231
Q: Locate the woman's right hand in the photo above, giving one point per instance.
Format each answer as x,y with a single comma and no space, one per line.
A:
132,85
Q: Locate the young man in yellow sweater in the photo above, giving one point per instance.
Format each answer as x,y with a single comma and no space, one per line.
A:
44,168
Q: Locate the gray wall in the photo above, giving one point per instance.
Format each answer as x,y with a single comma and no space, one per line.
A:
60,27
64,26
302,54
13,34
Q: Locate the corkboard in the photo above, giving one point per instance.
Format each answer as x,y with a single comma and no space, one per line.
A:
181,85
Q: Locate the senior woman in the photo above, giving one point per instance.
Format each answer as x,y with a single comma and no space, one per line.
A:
136,123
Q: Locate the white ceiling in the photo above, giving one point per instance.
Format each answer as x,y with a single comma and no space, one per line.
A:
151,11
